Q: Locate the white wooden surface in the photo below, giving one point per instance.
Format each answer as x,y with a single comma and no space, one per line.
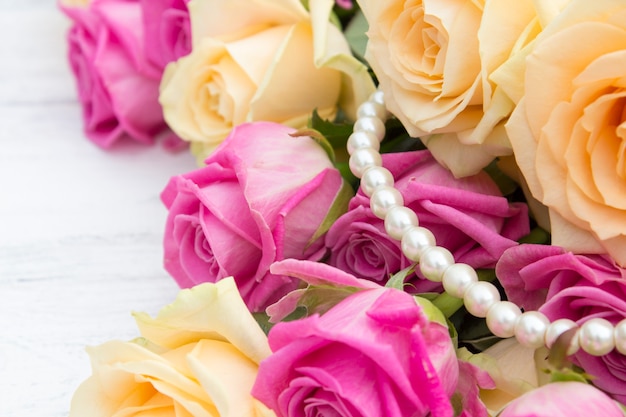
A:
80,228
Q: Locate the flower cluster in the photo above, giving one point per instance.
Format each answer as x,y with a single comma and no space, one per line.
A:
504,135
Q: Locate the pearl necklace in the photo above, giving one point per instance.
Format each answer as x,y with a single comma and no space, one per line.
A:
533,329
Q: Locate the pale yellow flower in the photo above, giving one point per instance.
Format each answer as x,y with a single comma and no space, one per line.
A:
434,60
260,60
568,130
198,357
515,370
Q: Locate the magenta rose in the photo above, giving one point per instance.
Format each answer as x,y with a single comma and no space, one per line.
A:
563,399
468,216
117,86
361,328
167,30
561,284
375,353
262,196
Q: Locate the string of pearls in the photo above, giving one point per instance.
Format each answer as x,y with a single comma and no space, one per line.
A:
596,336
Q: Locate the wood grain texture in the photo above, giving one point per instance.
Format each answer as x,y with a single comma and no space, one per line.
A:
80,228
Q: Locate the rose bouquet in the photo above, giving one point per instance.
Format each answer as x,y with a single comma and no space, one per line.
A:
402,208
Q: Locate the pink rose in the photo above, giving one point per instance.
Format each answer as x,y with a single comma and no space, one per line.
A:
468,216
563,399
345,4
168,30
261,197
117,86
578,287
375,353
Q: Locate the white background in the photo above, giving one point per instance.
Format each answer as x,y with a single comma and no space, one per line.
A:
80,228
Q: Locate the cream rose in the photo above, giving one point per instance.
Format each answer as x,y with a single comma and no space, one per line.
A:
198,357
515,370
434,59
568,130
259,60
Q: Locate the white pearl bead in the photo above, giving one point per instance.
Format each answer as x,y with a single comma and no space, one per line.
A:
530,329
434,261
479,297
596,337
360,140
556,329
502,318
378,97
383,199
370,124
457,279
398,220
375,177
362,159
619,335
371,109
415,241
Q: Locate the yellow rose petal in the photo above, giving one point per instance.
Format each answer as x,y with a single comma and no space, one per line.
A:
245,17
207,311
281,96
331,50
226,375
574,238
548,81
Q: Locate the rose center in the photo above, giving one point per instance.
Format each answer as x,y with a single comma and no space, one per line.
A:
216,101
417,44
204,252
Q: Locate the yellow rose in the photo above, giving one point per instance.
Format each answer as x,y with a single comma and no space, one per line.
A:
434,58
259,60
515,370
568,130
198,357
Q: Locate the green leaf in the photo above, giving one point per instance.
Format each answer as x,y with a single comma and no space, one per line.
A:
263,320
336,133
536,235
482,343
266,325
346,173
569,374
356,34
346,15
506,185
339,207
318,137
457,403
447,304
397,139
454,335
318,299
557,357
473,331
486,275
432,312
397,280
